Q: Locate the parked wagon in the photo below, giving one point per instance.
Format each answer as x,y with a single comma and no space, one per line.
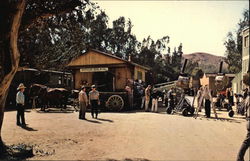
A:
111,75
29,76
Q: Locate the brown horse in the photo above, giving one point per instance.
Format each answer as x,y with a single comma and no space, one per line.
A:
49,97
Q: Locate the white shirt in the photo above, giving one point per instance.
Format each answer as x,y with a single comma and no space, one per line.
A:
20,98
83,97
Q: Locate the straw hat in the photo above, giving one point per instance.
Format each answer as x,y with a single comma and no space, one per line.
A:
93,86
21,86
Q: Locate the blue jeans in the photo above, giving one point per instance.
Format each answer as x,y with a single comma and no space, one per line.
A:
20,113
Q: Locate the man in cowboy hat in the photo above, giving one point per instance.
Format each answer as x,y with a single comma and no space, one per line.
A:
20,101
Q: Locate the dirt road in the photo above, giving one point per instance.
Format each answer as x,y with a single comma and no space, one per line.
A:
134,135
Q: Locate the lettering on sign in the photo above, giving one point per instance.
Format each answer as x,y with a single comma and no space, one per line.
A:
94,69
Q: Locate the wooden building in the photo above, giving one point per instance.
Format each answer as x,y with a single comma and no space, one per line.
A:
107,71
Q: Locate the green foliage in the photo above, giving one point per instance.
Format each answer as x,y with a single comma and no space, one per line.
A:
52,41
234,45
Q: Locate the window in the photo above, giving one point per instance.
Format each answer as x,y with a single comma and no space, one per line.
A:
60,80
246,41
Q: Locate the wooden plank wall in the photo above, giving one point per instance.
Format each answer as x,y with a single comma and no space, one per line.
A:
94,58
80,77
122,74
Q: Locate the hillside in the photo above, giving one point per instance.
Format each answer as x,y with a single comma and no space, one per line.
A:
208,62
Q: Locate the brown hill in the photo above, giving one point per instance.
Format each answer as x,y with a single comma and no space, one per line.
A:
209,63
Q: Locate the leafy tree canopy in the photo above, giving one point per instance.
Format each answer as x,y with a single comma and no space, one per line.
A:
233,45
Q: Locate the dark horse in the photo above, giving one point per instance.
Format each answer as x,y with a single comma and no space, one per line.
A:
46,97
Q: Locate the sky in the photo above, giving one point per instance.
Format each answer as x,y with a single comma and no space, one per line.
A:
201,26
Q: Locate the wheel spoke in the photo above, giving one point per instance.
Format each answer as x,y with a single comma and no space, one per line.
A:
115,102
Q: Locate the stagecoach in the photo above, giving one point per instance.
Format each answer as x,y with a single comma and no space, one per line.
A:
29,76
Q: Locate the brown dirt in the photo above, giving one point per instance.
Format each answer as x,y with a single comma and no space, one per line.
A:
136,135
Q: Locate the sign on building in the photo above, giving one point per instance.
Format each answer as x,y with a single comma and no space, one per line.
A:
94,69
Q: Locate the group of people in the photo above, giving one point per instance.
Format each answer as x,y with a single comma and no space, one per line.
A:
205,93
92,100
150,96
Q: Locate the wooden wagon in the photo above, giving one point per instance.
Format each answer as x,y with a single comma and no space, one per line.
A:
110,74
29,76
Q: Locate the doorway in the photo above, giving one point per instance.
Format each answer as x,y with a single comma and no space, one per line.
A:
104,81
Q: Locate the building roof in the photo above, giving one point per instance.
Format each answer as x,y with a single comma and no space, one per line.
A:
116,57
215,74
245,31
246,28
43,70
210,74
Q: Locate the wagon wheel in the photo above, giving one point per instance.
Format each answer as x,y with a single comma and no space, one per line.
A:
115,102
191,110
185,112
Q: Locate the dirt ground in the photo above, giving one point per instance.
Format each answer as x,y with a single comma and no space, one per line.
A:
137,135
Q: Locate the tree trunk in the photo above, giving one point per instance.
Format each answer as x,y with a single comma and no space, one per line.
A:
13,54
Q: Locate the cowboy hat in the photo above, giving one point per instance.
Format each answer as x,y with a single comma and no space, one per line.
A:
93,86
21,86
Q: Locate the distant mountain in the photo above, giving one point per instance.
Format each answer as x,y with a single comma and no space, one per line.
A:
209,63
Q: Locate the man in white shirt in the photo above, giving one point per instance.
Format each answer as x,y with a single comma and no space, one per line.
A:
83,102
20,101
147,97
208,101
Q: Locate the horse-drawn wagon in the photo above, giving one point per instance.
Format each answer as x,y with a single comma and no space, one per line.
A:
29,76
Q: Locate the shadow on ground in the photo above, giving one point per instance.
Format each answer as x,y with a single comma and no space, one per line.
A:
107,120
93,121
17,152
56,110
28,128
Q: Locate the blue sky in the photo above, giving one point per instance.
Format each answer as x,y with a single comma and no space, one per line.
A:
201,26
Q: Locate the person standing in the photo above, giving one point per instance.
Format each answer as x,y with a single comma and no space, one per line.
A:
199,99
142,92
83,102
170,96
147,97
94,101
246,143
154,107
20,102
208,100
245,91
130,96
231,97
227,94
